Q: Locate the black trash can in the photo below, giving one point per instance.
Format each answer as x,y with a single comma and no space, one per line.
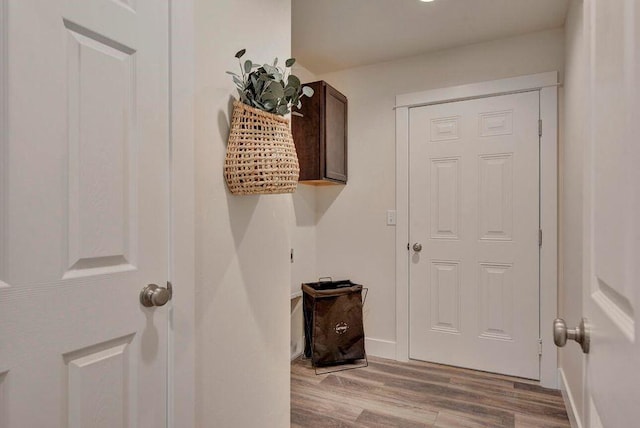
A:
334,331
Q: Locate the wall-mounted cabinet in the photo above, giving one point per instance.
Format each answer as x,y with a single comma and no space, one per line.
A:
320,136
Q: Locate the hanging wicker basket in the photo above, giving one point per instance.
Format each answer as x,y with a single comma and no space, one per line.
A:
261,157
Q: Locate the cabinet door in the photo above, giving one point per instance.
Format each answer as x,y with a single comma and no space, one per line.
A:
335,135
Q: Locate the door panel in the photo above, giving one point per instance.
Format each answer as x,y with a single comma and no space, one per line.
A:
612,207
495,193
445,296
445,204
474,206
84,210
101,82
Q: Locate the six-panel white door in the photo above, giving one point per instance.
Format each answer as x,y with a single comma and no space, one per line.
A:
474,208
84,212
612,220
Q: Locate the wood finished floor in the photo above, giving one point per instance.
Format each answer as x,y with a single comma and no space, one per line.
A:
416,394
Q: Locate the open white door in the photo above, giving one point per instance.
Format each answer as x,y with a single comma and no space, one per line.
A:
612,223
84,200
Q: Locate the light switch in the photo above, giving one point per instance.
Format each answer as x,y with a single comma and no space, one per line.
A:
391,217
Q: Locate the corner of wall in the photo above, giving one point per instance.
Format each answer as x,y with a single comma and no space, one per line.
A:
304,242
243,271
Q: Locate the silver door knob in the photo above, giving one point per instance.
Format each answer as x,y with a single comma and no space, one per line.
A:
417,247
154,295
580,334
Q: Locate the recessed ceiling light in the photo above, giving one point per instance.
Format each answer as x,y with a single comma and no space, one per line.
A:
426,1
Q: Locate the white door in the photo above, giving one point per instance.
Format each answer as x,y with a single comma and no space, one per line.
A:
84,213
474,209
612,222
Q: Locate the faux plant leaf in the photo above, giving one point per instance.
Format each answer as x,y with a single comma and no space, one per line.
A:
308,91
237,81
269,95
295,113
247,66
275,92
270,69
232,73
293,81
290,62
240,53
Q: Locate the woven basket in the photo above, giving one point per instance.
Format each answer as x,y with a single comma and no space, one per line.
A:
261,157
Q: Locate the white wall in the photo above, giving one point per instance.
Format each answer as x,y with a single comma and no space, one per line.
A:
304,242
303,268
353,240
304,232
571,200
243,271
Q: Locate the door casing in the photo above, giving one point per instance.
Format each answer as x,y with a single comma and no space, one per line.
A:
181,372
547,85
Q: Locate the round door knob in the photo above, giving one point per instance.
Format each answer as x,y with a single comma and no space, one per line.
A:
559,332
154,295
580,334
417,247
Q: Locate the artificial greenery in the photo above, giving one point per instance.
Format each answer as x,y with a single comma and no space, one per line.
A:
269,87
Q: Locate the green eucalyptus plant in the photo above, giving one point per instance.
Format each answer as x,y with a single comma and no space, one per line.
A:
269,87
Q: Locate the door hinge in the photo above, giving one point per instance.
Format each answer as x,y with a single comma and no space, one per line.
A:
408,246
539,237
539,346
539,127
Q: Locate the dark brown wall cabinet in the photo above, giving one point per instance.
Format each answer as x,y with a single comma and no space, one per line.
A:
320,136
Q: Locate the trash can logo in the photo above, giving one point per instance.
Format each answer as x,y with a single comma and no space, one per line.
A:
342,327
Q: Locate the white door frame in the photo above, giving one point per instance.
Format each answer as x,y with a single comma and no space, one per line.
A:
547,85
181,371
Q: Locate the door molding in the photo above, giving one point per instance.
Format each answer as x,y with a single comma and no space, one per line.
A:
181,371
547,85
4,132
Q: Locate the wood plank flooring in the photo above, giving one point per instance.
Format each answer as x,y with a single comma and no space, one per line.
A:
416,394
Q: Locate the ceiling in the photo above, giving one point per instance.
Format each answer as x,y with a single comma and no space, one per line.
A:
330,35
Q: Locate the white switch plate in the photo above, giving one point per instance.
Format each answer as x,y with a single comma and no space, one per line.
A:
391,217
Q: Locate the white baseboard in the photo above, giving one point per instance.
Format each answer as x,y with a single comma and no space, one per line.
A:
574,417
380,348
297,348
